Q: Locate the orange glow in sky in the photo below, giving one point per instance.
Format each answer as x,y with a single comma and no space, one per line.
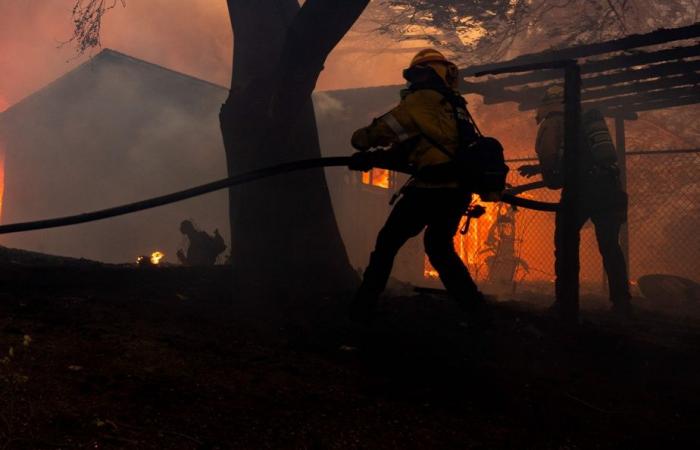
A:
193,37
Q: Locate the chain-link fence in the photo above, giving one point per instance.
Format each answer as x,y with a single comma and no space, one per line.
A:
516,248
664,214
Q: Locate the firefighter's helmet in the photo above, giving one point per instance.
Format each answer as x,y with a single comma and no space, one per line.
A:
428,55
430,58
553,94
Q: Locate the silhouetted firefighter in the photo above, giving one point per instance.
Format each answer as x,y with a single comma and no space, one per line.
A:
427,131
203,249
602,198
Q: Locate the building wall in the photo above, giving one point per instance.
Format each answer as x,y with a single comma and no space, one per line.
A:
110,133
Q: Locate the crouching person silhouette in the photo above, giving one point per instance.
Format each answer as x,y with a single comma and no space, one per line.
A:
203,248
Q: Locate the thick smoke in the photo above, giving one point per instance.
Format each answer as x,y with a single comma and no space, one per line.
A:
193,37
326,105
114,131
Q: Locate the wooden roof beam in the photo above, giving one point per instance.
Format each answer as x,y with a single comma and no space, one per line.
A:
531,98
498,95
626,111
668,103
658,70
616,62
629,101
657,37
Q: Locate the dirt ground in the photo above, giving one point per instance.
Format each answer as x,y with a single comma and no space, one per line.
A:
170,358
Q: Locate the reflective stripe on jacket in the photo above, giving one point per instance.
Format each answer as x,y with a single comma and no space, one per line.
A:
421,112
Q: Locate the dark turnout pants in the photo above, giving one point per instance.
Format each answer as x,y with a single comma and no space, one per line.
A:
607,231
439,211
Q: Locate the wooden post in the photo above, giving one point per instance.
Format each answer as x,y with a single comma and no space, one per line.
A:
568,251
622,163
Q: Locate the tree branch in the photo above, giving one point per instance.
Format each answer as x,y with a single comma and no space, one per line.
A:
87,23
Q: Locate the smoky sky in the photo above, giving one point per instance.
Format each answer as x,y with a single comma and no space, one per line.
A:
189,36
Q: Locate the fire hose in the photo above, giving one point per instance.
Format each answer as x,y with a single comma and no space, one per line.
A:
509,196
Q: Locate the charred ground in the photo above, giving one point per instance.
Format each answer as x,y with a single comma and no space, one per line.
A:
118,357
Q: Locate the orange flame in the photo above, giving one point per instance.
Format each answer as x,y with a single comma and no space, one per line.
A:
377,177
156,257
469,246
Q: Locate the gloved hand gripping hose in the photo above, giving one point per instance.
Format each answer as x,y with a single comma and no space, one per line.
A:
196,191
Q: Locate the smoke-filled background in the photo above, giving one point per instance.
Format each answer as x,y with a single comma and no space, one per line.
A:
161,140
158,149
194,37
190,36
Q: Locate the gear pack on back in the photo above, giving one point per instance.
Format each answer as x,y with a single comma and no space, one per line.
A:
479,162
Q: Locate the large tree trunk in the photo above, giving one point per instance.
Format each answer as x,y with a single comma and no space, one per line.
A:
283,231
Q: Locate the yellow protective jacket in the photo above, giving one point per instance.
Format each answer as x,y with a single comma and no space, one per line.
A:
599,191
403,129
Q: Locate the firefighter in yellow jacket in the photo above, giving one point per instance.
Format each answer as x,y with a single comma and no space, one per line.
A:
602,198
421,132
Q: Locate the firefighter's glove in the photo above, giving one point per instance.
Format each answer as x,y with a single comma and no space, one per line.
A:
529,171
363,161
361,140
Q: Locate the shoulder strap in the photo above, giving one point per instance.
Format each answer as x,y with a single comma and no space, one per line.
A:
458,101
454,102
471,119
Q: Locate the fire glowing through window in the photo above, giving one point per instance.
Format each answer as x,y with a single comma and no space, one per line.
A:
377,177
